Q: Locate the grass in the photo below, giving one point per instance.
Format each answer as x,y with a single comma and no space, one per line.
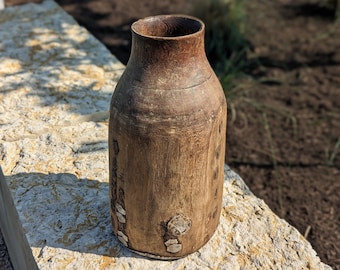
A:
330,157
276,174
225,43
226,49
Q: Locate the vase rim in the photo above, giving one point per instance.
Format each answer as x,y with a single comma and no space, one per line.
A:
168,27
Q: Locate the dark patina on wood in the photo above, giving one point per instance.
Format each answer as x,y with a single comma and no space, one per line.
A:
167,141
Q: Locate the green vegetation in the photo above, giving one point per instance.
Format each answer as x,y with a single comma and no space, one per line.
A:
225,43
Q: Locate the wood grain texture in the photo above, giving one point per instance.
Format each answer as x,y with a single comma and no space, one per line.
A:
166,142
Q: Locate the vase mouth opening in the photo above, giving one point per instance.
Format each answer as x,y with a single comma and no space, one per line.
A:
168,26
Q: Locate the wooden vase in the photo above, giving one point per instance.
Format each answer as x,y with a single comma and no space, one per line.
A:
167,133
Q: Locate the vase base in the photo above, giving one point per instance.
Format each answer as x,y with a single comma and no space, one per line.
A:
155,257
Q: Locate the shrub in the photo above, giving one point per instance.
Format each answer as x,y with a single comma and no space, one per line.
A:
224,39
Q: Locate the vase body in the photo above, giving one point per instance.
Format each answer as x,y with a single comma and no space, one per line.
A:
167,133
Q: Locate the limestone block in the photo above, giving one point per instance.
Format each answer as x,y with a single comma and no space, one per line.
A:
56,81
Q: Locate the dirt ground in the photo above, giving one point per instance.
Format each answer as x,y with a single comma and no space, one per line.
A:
283,118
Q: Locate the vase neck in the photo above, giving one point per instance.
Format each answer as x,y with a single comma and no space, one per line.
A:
170,48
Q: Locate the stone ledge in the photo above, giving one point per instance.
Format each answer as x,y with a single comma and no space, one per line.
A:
56,81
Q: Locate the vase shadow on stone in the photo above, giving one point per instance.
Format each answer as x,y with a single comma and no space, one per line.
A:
62,211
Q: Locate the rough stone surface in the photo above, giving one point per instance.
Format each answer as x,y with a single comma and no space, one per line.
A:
55,79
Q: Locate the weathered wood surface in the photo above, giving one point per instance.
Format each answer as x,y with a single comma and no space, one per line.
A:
18,248
167,141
